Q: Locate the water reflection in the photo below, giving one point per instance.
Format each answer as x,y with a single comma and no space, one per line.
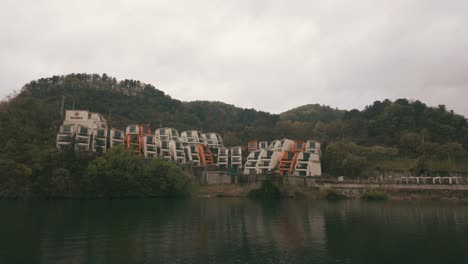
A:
231,231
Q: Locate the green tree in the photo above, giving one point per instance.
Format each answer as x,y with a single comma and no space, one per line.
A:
120,173
14,179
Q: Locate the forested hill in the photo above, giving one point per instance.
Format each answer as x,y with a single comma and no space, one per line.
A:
402,134
312,113
128,101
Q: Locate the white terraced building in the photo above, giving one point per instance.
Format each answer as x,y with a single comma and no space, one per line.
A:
251,162
223,157
170,144
83,131
213,140
150,149
178,152
88,131
166,134
193,155
308,164
192,137
302,161
269,158
313,147
236,157
117,137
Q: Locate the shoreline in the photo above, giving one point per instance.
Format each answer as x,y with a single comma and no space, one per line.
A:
317,193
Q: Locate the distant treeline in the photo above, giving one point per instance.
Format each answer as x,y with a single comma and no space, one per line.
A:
400,135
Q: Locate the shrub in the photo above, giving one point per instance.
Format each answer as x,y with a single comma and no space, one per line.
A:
268,190
299,195
374,196
121,174
13,179
334,195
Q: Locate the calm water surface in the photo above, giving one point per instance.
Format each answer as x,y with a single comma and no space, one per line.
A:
232,231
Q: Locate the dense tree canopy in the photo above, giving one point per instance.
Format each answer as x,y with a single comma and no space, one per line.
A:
120,173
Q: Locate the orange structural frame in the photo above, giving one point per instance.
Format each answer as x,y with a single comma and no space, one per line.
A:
135,140
289,159
206,158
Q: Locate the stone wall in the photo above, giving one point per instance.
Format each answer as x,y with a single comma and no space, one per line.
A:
204,177
384,186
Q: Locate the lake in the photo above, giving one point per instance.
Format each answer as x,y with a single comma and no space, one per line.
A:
232,230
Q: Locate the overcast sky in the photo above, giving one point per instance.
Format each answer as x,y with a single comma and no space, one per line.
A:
268,55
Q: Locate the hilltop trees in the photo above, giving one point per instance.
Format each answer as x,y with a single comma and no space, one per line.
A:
402,124
411,129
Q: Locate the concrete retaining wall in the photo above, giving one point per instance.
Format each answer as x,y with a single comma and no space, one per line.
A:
222,177
454,187
217,177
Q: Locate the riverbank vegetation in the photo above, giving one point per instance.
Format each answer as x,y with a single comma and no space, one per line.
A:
374,196
122,174
267,190
117,174
333,195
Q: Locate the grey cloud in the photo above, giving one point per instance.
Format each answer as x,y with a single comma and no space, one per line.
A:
269,55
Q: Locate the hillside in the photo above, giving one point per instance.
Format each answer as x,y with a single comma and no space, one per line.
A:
130,101
356,143
312,113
